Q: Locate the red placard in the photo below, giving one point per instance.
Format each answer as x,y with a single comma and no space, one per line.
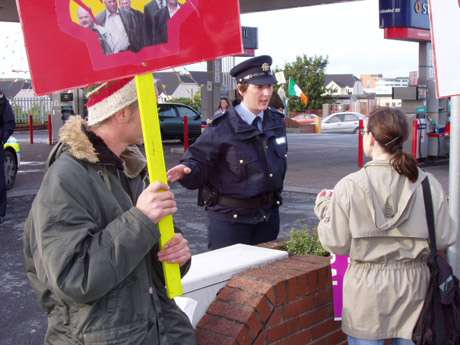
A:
63,54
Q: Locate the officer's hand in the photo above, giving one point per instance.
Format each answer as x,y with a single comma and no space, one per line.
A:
176,251
178,172
156,202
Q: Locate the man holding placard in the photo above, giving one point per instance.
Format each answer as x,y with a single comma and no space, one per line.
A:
91,241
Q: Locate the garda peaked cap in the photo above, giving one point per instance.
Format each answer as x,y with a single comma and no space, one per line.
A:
254,71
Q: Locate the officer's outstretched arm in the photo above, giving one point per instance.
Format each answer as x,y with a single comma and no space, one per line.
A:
178,172
202,158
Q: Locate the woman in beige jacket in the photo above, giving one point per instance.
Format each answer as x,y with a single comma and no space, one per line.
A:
377,217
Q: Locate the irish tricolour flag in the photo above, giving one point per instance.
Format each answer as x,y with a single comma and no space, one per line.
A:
294,90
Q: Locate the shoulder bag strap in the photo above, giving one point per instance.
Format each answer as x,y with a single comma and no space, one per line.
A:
429,216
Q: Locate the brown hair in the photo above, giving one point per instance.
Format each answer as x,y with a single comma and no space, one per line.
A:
390,129
242,87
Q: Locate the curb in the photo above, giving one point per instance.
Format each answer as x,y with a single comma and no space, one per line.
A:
305,190
26,192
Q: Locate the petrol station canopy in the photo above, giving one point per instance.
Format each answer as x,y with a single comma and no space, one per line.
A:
9,13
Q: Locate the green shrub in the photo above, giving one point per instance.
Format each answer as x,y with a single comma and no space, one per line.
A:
304,242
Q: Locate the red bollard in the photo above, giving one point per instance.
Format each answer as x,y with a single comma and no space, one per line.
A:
360,144
50,130
185,133
31,129
415,138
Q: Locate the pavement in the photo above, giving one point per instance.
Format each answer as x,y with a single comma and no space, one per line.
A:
314,162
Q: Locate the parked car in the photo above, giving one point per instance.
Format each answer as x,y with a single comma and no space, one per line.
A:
12,157
306,119
345,122
172,121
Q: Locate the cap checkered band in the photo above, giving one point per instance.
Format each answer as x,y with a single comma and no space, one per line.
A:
253,75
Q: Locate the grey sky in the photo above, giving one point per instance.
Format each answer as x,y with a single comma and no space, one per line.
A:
348,33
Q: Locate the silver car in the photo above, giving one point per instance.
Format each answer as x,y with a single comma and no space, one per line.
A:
345,122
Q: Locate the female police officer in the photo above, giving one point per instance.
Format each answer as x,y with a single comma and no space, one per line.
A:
239,163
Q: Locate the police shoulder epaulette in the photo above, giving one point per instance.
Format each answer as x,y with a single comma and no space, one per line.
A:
277,112
217,118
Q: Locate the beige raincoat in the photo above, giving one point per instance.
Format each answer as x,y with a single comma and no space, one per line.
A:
377,217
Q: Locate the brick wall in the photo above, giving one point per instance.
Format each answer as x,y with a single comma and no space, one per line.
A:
286,302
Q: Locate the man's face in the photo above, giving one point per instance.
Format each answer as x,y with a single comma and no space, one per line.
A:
134,127
84,18
125,3
257,97
111,5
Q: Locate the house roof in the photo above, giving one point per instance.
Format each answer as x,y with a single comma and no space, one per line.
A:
167,82
11,87
341,80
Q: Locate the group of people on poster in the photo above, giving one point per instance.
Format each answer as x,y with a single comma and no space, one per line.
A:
122,28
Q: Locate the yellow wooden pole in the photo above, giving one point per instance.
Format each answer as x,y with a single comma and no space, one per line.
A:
157,168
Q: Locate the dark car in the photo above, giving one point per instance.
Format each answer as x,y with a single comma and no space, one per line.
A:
172,121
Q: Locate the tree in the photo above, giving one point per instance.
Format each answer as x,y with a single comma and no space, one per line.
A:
308,72
195,102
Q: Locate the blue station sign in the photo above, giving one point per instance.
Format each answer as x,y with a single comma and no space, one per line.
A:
404,13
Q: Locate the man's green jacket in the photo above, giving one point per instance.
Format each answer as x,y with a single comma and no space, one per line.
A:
91,255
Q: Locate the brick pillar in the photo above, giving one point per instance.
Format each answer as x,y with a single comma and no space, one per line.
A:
287,302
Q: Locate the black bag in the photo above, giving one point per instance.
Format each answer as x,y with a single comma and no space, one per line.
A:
439,321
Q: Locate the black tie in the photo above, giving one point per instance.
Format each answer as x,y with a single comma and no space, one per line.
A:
256,122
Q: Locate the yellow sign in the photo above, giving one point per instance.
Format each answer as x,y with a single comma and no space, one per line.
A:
157,169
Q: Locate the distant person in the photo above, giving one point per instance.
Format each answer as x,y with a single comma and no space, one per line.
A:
150,10
239,163
376,216
224,105
86,20
162,18
7,126
124,26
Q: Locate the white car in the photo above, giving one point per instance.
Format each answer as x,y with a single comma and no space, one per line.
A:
345,122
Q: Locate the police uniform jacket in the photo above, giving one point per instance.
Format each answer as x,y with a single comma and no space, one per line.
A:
7,121
238,161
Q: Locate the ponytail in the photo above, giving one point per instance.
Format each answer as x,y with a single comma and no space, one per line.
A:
390,129
405,164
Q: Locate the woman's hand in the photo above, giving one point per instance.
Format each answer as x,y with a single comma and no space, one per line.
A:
327,193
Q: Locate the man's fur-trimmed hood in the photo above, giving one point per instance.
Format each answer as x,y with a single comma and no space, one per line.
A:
74,140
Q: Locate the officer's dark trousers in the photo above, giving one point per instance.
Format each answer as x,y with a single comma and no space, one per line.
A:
223,233
2,183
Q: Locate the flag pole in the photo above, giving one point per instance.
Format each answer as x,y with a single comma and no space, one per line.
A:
157,169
